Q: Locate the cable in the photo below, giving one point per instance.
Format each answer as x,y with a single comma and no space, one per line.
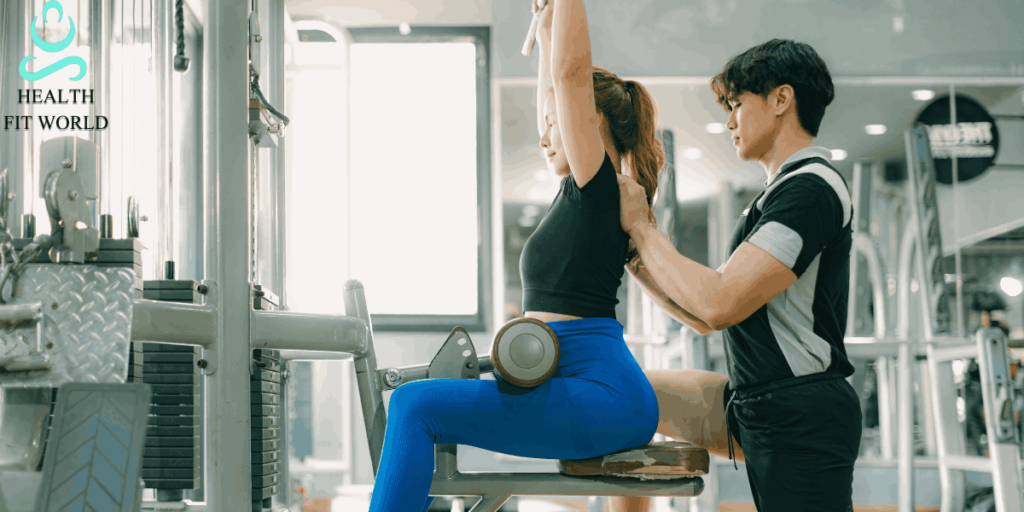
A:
255,86
180,61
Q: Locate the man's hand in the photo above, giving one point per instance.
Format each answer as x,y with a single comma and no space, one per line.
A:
545,17
633,209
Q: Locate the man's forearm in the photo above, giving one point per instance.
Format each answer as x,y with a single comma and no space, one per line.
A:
663,301
692,286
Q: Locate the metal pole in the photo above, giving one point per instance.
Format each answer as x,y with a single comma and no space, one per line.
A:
905,465
276,83
162,30
883,367
226,176
101,37
369,384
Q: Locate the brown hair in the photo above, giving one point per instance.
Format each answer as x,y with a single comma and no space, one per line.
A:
632,119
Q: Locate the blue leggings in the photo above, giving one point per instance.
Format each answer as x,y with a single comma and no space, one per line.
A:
598,401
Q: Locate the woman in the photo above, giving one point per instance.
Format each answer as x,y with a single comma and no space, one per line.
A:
598,401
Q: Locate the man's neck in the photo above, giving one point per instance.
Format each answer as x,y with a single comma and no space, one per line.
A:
788,142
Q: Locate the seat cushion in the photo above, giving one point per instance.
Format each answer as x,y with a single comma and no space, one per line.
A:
654,461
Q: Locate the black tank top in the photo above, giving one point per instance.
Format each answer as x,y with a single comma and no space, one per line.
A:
573,263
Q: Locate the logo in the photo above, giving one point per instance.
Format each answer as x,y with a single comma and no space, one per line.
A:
52,48
973,140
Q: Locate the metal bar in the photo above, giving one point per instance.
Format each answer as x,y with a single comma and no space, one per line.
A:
557,484
161,34
948,435
897,341
313,355
446,461
974,463
20,312
101,37
369,383
997,393
836,80
905,403
286,330
883,366
171,322
490,502
908,246
276,83
408,374
226,175
945,354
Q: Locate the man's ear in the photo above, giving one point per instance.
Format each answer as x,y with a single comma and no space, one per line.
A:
785,99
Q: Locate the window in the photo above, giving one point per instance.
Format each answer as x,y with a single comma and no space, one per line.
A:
394,183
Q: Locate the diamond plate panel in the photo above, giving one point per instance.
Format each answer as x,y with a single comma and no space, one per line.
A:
87,314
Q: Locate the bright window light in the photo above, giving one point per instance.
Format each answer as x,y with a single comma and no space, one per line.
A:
875,129
413,177
923,94
715,127
692,153
1011,286
839,154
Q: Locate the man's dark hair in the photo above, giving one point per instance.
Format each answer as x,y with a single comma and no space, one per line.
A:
762,68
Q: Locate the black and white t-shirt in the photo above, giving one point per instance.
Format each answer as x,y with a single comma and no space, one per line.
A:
802,219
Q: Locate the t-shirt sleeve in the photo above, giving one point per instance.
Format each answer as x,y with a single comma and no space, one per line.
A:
602,191
799,218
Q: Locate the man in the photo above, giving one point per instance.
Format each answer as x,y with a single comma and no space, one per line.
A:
780,298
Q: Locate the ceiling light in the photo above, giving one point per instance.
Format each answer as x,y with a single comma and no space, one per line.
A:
715,127
541,175
839,154
692,153
923,94
875,129
1011,286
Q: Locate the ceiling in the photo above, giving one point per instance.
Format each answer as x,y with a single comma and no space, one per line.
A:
687,109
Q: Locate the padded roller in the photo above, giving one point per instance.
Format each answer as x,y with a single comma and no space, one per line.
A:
525,352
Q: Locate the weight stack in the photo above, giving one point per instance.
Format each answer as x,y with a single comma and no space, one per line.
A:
267,444
172,457
114,252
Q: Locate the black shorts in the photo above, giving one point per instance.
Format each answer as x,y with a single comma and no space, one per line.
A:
800,438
